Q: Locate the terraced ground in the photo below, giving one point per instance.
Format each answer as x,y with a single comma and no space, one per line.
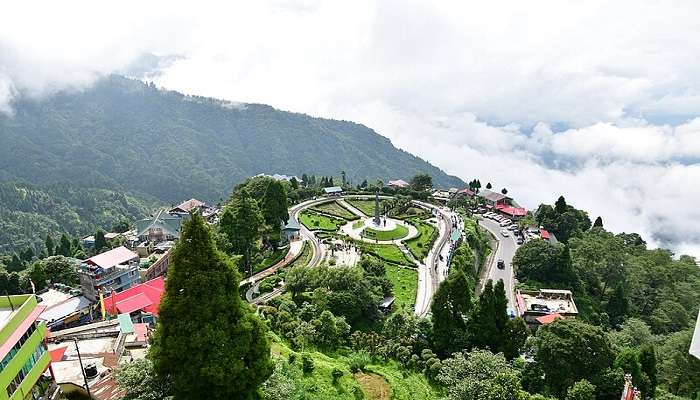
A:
421,245
313,221
335,209
366,206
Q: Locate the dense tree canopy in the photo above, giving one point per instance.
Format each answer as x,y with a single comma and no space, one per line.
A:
207,343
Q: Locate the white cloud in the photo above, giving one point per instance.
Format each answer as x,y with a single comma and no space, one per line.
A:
595,100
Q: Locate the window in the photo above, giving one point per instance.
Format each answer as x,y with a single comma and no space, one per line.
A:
26,369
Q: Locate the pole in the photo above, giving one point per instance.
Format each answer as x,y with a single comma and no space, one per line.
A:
82,369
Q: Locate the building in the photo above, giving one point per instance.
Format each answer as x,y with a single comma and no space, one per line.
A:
290,230
398,184
493,198
466,192
161,264
142,298
280,177
22,350
442,196
185,208
545,306
510,211
113,270
160,227
76,310
333,191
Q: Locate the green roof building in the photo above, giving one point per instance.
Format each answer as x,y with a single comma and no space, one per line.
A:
22,349
159,228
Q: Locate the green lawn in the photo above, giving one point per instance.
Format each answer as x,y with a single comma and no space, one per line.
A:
366,206
397,233
333,208
313,221
405,282
305,256
420,245
387,252
358,224
271,258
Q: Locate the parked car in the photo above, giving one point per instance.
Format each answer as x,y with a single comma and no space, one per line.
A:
505,233
501,264
504,223
520,240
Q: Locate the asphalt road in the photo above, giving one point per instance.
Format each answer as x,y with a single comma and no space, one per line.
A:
506,252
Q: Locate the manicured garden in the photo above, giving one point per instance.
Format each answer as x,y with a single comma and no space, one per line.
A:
387,252
313,221
335,209
366,206
405,283
270,258
421,245
397,233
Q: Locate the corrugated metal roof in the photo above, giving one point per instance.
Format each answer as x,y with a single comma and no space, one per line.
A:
113,257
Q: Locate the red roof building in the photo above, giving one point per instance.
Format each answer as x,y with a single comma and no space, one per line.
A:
544,234
466,192
143,297
548,319
514,212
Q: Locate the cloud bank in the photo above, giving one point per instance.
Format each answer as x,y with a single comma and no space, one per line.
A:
595,100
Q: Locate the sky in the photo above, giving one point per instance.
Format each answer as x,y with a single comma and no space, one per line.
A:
598,101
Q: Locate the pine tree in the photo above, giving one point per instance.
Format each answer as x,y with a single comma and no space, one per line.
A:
504,191
485,327
274,205
598,223
241,223
100,241
617,305
451,306
304,180
49,246
208,343
294,183
63,248
488,185
560,205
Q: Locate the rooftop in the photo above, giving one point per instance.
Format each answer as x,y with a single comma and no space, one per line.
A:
398,183
548,301
333,189
188,206
111,258
491,195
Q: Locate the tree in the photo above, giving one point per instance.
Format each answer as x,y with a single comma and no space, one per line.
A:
294,183
581,390
479,375
598,222
139,382
489,324
451,306
679,371
504,191
48,243
617,305
100,241
304,180
515,336
121,226
421,182
229,356
241,222
489,186
342,174
628,361
647,361
60,269
571,350
64,247
274,204
560,205
37,274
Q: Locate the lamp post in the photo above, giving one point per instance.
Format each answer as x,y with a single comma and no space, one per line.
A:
82,369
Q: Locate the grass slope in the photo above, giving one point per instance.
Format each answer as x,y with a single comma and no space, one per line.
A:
420,245
405,282
387,252
313,221
335,209
366,206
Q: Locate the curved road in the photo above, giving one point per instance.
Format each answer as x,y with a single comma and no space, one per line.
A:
430,273
505,251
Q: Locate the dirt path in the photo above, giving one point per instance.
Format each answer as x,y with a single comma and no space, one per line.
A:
373,386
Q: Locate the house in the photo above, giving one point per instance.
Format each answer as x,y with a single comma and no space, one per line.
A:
113,270
398,184
333,190
466,192
510,211
160,227
545,306
76,310
442,196
290,230
281,177
193,205
144,297
161,264
23,353
493,198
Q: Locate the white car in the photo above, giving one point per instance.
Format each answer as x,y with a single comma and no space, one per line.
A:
505,223
505,233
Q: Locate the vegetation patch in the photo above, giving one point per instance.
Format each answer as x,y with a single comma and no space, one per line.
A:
405,284
271,258
405,385
387,252
335,209
366,206
397,233
313,221
421,244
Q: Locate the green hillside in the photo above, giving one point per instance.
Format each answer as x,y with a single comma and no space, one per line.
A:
125,135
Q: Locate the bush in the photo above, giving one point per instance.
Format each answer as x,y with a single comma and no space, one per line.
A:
336,374
358,361
292,358
307,363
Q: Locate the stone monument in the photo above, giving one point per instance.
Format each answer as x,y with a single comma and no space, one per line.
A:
377,220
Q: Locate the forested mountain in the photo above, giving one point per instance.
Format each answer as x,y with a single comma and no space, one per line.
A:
125,135
28,213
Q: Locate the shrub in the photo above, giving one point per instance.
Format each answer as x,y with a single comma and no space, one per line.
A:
307,363
358,361
292,358
336,374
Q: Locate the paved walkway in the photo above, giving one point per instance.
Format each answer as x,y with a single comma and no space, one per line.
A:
294,249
